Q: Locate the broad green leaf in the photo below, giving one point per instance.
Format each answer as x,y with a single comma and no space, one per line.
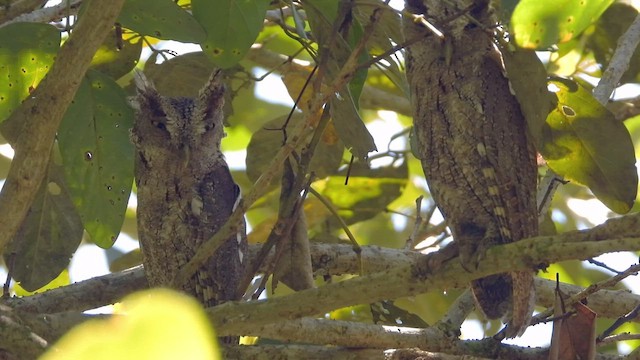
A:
27,50
182,75
266,142
117,56
528,79
604,40
368,191
144,329
350,127
48,236
538,24
97,155
584,143
162,19
231,26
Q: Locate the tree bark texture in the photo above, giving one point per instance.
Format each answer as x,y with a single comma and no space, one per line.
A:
475,152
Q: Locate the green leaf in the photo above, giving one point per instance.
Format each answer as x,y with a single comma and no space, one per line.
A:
336,50
604,40
116,56
97,155
368,191
48,236
162,19
61,280
231,26
538,24
584,143
266,142
350,127
144,330
182,75
27,50
528,79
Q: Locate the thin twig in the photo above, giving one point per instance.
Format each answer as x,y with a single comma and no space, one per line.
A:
416,226
633,270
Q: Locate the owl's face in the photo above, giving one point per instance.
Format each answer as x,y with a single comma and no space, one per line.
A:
188,128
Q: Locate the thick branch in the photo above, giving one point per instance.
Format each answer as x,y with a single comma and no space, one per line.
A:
41,113
84,295
360,335
417,278
333,259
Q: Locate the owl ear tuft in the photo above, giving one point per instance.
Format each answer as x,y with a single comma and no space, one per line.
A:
211,96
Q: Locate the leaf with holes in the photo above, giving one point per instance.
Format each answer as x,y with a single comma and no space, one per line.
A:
97,155
586,144
48,236
27,50
231,26
538,24
162,19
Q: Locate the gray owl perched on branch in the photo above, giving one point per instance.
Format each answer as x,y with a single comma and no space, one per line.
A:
476,155
185,189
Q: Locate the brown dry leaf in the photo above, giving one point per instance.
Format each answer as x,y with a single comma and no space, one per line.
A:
574,336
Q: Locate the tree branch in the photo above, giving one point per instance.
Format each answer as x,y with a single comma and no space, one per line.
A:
619,63
418,277
41,114
47,14
336,259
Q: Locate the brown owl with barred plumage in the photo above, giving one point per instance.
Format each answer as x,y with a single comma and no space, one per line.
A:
185,189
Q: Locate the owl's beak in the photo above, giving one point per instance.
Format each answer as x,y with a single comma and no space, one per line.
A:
186,156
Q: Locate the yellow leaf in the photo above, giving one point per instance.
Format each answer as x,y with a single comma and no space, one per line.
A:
152,324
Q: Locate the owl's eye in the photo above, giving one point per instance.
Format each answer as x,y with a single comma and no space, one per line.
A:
208,127
159,124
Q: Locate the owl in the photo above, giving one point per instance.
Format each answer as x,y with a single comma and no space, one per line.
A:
185,189
475,152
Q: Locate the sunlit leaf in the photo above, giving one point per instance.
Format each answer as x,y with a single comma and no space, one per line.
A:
584,143
538,24
368,191
27,50
162,19
143,330
62,279
117,56
231,26
97,155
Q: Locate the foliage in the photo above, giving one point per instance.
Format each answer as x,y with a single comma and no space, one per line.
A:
89,181
142,328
